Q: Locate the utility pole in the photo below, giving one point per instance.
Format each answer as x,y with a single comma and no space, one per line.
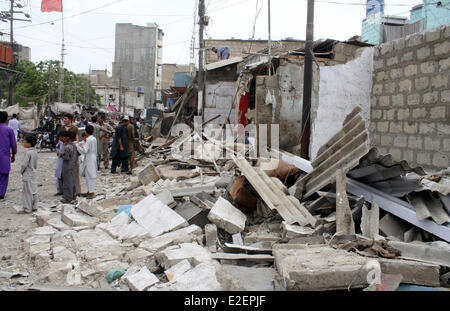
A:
270,42
61,73
75,82
201,59
307,85
49,86
9,15
120,88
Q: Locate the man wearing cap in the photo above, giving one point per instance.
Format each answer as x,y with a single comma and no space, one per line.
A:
222,52
119,149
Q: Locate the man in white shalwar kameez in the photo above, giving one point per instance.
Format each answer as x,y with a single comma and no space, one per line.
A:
88,148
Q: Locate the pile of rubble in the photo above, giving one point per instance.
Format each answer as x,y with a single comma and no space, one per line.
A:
209,223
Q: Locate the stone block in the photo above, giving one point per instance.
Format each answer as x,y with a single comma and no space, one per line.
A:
441,161
399,44
423,158
295,231
44,231
42,216
400,141
383,126
427,128
445,96
381,76
237,278
392,61
442,48
410,70
428,67
156,217
142,280
435,252
193,190
377,114
384,101
444,64
437,113
115,226
446,145
403,114
227,217
423,53
377,89
386,140
391,87
413,100
396,73
77,220
433,35
443,128
378,64
419,113
201,278
90,208
186,235
396,127
415,39
439,81
166,197
148,174
211,237
413,272
389,114
177,270
407,57
415,142
398,100
396,153
58,224
320,268
137,255
421,83
431,97
386,48
410,128
193,252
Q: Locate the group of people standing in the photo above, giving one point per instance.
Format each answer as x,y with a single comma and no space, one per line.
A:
91,147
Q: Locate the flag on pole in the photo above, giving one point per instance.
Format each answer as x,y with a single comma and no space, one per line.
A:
51,6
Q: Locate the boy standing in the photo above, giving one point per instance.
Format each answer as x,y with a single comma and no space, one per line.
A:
59,164
28,170
88,148
69,167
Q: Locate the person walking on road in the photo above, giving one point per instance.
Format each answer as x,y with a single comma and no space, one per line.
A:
8,150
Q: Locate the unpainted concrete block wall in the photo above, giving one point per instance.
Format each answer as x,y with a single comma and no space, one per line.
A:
410,104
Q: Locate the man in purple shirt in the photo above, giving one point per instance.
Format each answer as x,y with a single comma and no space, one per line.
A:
7,144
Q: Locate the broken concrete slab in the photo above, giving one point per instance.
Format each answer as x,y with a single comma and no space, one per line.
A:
295,231
189,191
227,217
58,224
189,234
193,252
42,216
193,214
262,236
320,267
224,182
97,246
137,255
44,231
77,220
156,217
245,257
211,237
413,272
90,208
204,200
237,239
134,233
177,270
142,280
344,219
115,226
427,252
62,254
237,278
242,249
201,278
166,197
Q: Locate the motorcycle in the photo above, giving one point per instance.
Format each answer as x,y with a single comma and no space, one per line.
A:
45,142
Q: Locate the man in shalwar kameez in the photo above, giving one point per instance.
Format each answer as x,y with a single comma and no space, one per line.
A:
89,167
7,144
28,170
69,168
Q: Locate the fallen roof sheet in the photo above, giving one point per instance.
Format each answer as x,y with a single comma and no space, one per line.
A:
342,151
224,63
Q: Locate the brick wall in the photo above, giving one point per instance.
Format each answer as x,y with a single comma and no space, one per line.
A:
410,105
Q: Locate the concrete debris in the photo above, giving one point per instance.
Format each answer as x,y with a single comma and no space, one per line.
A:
142,280
237,278
370,221
188,191
90,208
237,239
245,257
156,217
178,269
203,200
193,214
201,278
189,234
227,217
344,219
148,174
394,227
211,237
435,253
193,252
295,231
167,198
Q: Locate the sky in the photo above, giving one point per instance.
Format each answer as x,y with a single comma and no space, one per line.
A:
89,25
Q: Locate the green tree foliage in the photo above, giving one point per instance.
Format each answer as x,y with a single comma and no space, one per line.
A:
39,84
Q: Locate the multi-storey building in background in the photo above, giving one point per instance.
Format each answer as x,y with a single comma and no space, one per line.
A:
138,59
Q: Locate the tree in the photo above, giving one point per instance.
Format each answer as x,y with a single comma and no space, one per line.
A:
39,84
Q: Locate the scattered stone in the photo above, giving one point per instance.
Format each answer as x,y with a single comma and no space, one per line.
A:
116,225
148,174
42,216
156,217
201,278
76,220
178,269
227,217
190,251
188,191
44,231
413,272
193,214
189,234
295,231
237,239
137,256
211,237
237,278
90,208
142,280
166,197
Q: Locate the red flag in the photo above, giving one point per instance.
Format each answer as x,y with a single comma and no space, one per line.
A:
51,6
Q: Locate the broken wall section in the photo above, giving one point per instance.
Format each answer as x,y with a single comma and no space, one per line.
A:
411,99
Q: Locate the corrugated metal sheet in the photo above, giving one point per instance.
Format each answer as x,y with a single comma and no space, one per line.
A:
342,151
